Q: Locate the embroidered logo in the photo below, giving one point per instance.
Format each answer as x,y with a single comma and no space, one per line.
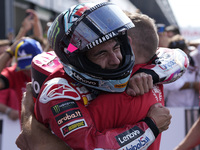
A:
58,88
73,126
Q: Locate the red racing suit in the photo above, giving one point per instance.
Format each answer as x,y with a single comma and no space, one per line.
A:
111,121
16,82
62,106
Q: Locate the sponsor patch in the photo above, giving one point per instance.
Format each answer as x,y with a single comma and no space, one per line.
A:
67,116
101,40
129,135
142,142
123,85
82,79
157,93
168,66
139,144
58,108
73,126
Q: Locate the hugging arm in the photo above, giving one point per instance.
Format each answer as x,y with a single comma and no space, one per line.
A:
34,135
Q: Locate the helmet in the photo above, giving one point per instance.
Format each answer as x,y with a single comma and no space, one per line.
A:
83,27
25,50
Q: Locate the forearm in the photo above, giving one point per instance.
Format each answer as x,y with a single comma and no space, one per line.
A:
192,138
81,133
22,33
4,109
191,85
47,140
37,29
4,58
35,136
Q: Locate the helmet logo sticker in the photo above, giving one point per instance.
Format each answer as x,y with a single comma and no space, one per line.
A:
101,39
80,11
80,78
71,48
123,85
73,15
53,32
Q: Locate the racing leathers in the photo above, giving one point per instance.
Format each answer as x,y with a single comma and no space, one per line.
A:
62,107
111,121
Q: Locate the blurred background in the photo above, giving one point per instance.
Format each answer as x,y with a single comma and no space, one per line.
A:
180,13
168,12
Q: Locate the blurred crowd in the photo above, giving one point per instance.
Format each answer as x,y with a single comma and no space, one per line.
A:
185,91
16,65
16,54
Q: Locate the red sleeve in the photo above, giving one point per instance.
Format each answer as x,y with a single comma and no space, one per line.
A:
71,121
64,113
8,75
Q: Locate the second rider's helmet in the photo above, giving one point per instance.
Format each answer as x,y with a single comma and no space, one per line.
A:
83,27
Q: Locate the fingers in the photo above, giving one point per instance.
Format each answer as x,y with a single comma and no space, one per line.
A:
31,11
27,103
131,92
157,105
149,83
29,87
28,100
28,94
14,45
21,142
139,84
161,115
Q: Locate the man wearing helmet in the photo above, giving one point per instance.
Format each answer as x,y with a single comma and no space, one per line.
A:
65,105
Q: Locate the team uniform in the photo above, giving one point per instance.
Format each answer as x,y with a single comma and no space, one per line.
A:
120,110
15,80
61,106
8,97
66,107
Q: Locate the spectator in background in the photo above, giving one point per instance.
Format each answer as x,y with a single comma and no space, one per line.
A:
185,91
162,34
172,30
195,53
4,44
10,89
192,139
31,21
13,79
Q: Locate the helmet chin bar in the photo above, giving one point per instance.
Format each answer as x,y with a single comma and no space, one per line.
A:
103,85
